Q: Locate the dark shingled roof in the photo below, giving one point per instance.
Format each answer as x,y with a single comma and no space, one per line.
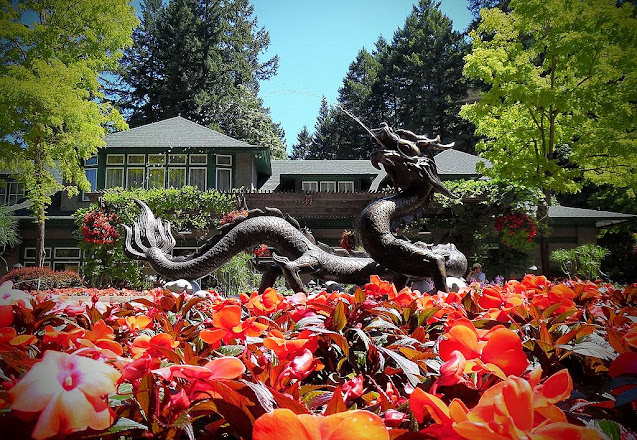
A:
175,132
320,167
458,163
601,218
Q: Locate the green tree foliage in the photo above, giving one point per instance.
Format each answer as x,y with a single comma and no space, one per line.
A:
414,82
200,60
105,263
52,111
560,104
584,261
303,145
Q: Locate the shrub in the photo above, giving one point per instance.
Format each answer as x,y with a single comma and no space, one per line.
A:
584,261
40,278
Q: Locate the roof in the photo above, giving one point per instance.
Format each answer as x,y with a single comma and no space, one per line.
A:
320,168
171,133
458,163
601,218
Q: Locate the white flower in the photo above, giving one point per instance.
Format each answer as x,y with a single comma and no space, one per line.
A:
10,296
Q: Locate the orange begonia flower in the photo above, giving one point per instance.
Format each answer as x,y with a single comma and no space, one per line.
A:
514,409
68,390
62,338
288,349
220,368
349,425
144,343
499,346
228,326
135,323
102,337
269,302
377,287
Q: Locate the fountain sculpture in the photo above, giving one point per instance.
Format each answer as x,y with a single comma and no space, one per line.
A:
408,160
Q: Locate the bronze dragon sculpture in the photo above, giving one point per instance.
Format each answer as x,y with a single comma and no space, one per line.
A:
408,160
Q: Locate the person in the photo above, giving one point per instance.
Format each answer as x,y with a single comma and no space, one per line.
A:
476,275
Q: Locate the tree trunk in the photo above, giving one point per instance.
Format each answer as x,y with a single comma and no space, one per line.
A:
544,232
39,249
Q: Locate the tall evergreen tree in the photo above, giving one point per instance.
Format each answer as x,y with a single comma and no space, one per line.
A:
303,145
205,67
324,138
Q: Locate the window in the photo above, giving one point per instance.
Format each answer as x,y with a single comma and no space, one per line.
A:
68,253
115,159
198,178
224,179
136,159
156,177
135,178
91,176
29,253
156,159
309,186
176,159
224,160
91,162
198,159
346,186
67,265
176,177
15,192
328,186
114,177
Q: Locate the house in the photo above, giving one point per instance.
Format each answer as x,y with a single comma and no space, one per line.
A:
324,195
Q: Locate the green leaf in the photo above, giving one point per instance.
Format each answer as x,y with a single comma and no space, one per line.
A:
124,424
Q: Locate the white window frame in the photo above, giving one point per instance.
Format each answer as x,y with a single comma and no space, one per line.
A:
229,170
308,183
93,189
326,183
221,163
129,169
343,183
174,155
47,263
111,159
172,169
47,253
204,156
121,183
156,155
140,156
155,169
71,258
205,177
15,190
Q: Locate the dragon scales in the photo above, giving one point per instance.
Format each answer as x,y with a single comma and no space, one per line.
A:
406,157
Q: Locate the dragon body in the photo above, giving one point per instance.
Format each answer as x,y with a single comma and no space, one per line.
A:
296,252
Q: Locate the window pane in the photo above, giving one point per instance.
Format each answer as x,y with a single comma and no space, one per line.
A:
224,160
91,161
156,177
137,159
309,186
176,177
29,253
135,178
156,159
66,265
114,177
15,192
198,178
198,159
91,176
345,186
224,177
115,159
328,186
177,159
67,253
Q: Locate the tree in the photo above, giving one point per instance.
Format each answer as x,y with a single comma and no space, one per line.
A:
560,108
52,111
324,139
303,145
200,60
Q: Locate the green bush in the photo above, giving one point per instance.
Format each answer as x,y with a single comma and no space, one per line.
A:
584,261
43,278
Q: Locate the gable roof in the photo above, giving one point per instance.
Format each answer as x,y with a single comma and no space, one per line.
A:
458,163
320,168
600,218
174,132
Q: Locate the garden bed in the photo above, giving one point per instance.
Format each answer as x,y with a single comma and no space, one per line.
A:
526,359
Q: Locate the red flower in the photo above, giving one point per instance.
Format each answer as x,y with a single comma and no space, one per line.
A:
228,326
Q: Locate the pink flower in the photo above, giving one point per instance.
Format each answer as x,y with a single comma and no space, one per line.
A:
68,390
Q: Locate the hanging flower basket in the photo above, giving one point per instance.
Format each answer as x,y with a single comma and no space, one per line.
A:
516,230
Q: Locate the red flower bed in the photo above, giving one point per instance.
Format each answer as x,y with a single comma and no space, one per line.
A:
100,228
526,360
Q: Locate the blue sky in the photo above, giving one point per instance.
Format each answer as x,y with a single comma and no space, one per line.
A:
317,41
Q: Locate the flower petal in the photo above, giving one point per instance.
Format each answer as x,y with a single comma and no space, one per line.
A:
226,368
504,349
419,401
228,317
352,425
284,424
